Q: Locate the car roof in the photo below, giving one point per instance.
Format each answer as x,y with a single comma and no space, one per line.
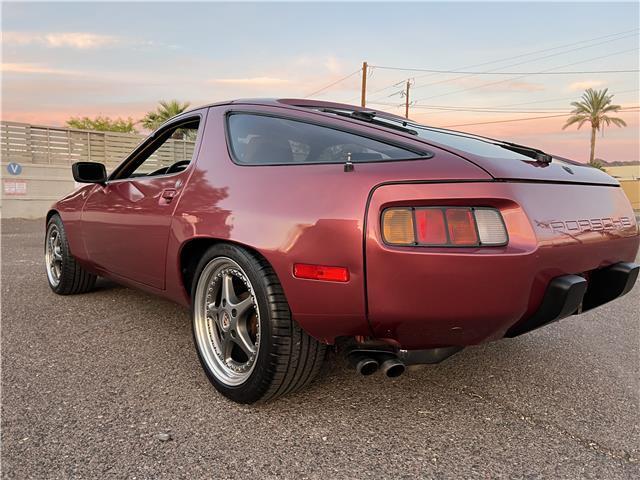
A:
296,103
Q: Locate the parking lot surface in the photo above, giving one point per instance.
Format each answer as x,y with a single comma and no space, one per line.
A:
107,384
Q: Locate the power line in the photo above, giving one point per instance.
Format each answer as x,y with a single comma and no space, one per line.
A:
525,119
635,90
473,110
482,110
483,107
333,83
522,76
527,55
504,73
527,61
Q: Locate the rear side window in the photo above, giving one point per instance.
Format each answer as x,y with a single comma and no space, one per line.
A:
265,140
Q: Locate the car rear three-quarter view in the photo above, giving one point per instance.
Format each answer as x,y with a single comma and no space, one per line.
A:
288,226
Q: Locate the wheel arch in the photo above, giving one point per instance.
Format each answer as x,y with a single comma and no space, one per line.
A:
192,250
50,214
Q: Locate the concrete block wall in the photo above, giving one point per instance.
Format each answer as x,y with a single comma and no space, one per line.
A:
44,185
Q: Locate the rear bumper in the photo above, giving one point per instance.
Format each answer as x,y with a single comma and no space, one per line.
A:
423,298
570,294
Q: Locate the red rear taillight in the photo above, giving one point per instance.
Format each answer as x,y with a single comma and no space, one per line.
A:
444,226
462,227
320,272
430,226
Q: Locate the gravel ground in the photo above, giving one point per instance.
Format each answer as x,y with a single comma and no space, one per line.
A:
108,385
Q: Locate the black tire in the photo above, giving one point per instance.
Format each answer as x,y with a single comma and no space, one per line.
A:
288,358
72,277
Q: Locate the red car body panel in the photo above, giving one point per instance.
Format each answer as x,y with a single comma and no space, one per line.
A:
465,296
415,297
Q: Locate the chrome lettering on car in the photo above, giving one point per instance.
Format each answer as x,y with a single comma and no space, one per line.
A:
593,224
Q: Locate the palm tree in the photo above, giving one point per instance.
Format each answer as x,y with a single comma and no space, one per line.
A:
162,113
593,107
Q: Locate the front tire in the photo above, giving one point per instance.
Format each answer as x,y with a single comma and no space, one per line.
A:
248,344
65,275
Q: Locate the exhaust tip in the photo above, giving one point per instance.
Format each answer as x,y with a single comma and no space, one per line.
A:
393,367
367,366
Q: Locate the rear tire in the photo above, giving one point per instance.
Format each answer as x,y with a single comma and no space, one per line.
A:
247,342
64,274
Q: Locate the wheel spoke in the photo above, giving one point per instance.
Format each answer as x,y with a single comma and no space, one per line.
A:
228,292
243,306
227,347
244,340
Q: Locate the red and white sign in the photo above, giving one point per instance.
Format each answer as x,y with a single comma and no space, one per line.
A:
15,187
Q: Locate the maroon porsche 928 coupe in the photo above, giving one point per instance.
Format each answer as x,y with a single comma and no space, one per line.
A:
290,225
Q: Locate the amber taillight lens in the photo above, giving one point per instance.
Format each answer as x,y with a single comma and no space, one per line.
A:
444,226
397,225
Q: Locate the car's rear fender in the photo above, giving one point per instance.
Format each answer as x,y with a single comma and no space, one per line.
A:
307,213
425,297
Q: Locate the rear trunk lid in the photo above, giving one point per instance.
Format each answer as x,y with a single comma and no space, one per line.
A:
508,161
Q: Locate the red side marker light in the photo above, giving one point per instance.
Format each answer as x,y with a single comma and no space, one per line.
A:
320,272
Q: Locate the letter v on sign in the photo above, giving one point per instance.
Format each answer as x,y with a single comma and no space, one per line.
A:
14,168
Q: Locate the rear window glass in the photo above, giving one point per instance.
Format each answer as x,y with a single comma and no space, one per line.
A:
468,143
464,142
265,140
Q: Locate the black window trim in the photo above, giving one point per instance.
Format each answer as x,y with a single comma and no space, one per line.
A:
423,154
151,138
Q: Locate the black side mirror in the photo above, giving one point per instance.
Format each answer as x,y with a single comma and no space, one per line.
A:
89,172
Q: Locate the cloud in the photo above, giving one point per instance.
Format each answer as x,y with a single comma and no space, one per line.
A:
32,68
252,81
329,62
77,40
579,86
332,64
525,86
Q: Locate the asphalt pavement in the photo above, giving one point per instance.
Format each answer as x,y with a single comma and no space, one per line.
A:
107,385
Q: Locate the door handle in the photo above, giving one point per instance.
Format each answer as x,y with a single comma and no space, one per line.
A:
168,194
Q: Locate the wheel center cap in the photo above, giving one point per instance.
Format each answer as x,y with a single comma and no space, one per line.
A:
225,320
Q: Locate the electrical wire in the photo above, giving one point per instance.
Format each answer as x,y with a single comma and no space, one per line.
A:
526,55
522,76
525,119
333,83
584,72
496,108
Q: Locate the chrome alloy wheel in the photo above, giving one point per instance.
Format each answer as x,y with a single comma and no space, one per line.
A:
53,254
227,321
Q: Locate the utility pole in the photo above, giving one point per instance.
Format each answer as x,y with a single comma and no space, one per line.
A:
406,99
363,98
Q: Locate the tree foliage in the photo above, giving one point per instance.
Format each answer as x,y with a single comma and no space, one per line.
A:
103,124
597,163
162,113
594,107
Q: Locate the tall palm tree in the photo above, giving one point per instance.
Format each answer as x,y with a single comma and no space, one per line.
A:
162,113
593,107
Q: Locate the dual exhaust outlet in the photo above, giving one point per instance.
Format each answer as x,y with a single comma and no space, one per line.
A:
368,363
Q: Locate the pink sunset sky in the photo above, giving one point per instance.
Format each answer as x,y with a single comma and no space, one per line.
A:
527,61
